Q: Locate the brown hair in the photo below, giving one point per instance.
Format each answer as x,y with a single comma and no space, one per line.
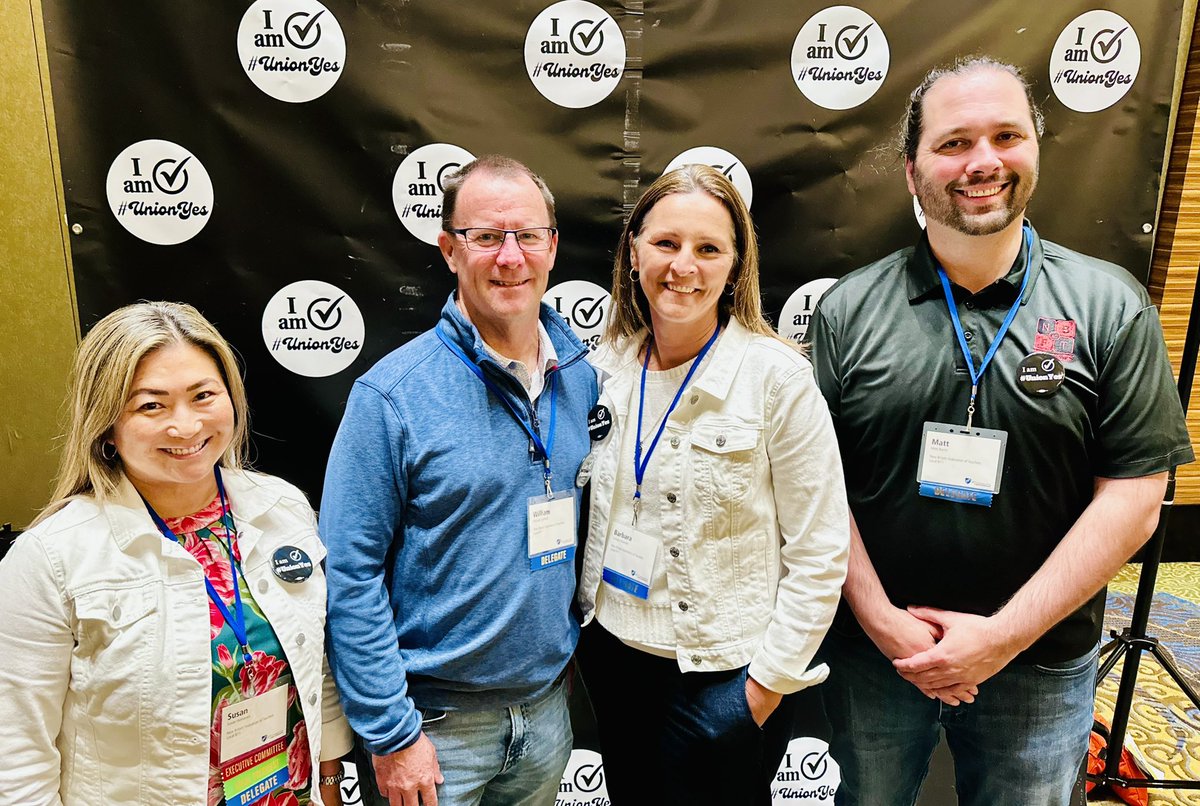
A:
629,312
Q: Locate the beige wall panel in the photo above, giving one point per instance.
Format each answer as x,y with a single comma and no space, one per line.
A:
38,323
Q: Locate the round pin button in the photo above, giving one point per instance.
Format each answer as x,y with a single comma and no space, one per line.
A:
599,422
1040,374
291,564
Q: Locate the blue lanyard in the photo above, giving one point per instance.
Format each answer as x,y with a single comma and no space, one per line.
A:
639,463
542,449
977,374
238,624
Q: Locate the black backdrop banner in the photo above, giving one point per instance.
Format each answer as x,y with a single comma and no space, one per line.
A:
302,188
277,163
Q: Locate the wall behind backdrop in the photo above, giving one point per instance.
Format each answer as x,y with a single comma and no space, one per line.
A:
277,163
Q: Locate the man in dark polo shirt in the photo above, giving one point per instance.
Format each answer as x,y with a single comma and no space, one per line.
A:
994,496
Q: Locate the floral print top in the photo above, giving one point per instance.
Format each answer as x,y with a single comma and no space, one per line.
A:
205,537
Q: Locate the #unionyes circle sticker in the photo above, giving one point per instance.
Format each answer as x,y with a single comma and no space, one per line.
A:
160,192
1095,61
313,328
417,188
840,57
584,306
733,168
575,53
293,50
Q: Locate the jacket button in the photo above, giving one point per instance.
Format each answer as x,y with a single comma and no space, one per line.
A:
695,399
683,606
116,612
300,639
312,698
674,442
262,586
968,335
720,440
671,497
696,660
674,551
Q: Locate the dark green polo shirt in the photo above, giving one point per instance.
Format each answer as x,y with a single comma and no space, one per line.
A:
887,359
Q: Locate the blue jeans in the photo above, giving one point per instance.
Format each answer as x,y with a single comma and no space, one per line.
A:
675,739
1021,743
513,756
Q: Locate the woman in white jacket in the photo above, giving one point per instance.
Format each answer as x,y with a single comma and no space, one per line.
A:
164,617
717,544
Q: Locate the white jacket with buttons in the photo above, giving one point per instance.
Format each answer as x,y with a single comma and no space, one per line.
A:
106,669
755,526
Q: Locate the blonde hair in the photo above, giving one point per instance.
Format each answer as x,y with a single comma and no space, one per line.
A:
629,311
105,364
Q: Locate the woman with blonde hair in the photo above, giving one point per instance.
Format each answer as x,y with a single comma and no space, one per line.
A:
718,538
164,622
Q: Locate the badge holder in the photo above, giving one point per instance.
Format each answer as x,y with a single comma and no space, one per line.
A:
551,529
254,747
961,464
629,560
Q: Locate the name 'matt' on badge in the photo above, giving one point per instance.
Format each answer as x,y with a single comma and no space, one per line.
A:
1094,61
418,187
840,58
575,53
313,328
293,50
160,192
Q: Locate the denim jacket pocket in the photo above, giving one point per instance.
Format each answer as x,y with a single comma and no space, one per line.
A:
116,627
725,456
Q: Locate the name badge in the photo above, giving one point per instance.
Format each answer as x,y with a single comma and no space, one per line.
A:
551,529
629,560
254,747
963,465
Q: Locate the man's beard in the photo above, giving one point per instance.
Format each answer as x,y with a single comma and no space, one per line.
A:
940,205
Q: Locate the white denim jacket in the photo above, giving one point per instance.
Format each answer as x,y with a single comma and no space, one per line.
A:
106,669
755,527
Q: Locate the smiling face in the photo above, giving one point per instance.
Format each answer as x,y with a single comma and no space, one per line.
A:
176,424
976,164
684,254
502,288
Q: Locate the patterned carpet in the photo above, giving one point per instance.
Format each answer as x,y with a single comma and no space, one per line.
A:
1164,726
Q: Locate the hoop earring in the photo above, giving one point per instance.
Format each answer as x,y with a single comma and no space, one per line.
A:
729,289
108,450
633,275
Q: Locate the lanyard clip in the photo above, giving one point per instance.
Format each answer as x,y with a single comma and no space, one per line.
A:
546,476
971,404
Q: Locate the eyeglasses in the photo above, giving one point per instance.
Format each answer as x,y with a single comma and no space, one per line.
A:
487,239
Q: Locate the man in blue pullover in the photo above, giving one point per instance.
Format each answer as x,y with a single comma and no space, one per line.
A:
449,515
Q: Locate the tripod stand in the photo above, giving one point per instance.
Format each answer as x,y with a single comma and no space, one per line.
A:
1133,640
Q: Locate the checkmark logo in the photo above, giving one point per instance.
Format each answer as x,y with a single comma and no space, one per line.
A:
814,765
325,315
302,30
169,175
851,42
589,777
350,794
1106,45
584,33
588,312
